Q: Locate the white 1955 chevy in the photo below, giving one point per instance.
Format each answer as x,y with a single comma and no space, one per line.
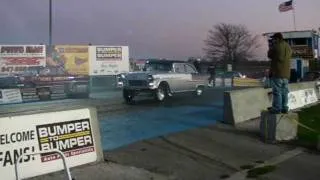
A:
163,78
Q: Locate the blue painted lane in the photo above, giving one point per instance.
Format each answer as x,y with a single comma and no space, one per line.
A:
123,129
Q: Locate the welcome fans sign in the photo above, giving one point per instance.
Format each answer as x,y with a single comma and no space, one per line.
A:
67,131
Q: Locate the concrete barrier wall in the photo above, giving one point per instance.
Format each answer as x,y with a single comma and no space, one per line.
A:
237,82
246,104
247,82
75,132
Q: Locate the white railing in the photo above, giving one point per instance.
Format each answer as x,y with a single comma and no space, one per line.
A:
63,157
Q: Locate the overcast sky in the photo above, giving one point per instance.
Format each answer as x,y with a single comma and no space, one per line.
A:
172,29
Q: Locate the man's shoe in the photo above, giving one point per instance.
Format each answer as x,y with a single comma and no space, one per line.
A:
273,111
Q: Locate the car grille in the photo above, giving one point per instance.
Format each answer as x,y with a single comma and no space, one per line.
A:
137,83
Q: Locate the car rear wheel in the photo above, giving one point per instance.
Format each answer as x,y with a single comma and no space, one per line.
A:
128,96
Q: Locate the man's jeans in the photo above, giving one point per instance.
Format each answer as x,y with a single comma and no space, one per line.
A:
280,91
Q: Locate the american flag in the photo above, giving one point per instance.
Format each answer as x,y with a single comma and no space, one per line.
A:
286,6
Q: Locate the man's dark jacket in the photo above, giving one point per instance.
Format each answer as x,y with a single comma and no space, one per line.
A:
280,55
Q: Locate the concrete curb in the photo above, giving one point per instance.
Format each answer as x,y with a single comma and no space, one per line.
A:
236,109
107,171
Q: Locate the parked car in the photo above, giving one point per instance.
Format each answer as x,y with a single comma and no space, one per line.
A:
163,78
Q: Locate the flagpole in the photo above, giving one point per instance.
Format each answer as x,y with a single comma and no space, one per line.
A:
294,16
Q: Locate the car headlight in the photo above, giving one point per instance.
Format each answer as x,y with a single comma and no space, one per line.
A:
150,78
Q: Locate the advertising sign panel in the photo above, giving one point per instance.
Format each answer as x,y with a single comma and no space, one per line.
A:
67,131
301,98
17,58
74,59
109,60
8,96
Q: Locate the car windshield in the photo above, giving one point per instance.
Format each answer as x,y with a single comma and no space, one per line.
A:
163,67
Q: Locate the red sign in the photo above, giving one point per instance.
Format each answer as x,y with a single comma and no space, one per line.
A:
22,61
12,49
34,49
22,50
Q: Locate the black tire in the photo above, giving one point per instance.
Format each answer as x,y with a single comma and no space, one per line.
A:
161,93
128,96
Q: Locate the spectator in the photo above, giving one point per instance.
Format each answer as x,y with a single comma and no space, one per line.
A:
212,72
280,55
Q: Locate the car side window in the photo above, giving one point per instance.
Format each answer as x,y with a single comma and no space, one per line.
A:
189,69
179,68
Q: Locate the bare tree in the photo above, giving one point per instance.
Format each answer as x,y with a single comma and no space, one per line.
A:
228,42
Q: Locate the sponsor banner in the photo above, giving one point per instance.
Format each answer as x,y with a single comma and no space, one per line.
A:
109,60
67,131
8,96
73,138
73,59
301,98
108,53
22,51
17,58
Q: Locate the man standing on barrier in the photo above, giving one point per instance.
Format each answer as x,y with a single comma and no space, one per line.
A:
280,54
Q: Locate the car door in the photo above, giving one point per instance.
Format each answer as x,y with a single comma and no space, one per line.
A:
192,77
179,80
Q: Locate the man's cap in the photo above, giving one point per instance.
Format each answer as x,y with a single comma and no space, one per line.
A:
277,36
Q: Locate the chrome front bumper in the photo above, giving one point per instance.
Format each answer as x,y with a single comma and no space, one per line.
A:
139,85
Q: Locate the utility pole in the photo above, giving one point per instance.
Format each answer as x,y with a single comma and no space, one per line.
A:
50,27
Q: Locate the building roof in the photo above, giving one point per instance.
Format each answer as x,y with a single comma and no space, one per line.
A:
294,34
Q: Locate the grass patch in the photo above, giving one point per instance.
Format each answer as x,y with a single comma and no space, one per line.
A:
243,167
256,172
309,117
